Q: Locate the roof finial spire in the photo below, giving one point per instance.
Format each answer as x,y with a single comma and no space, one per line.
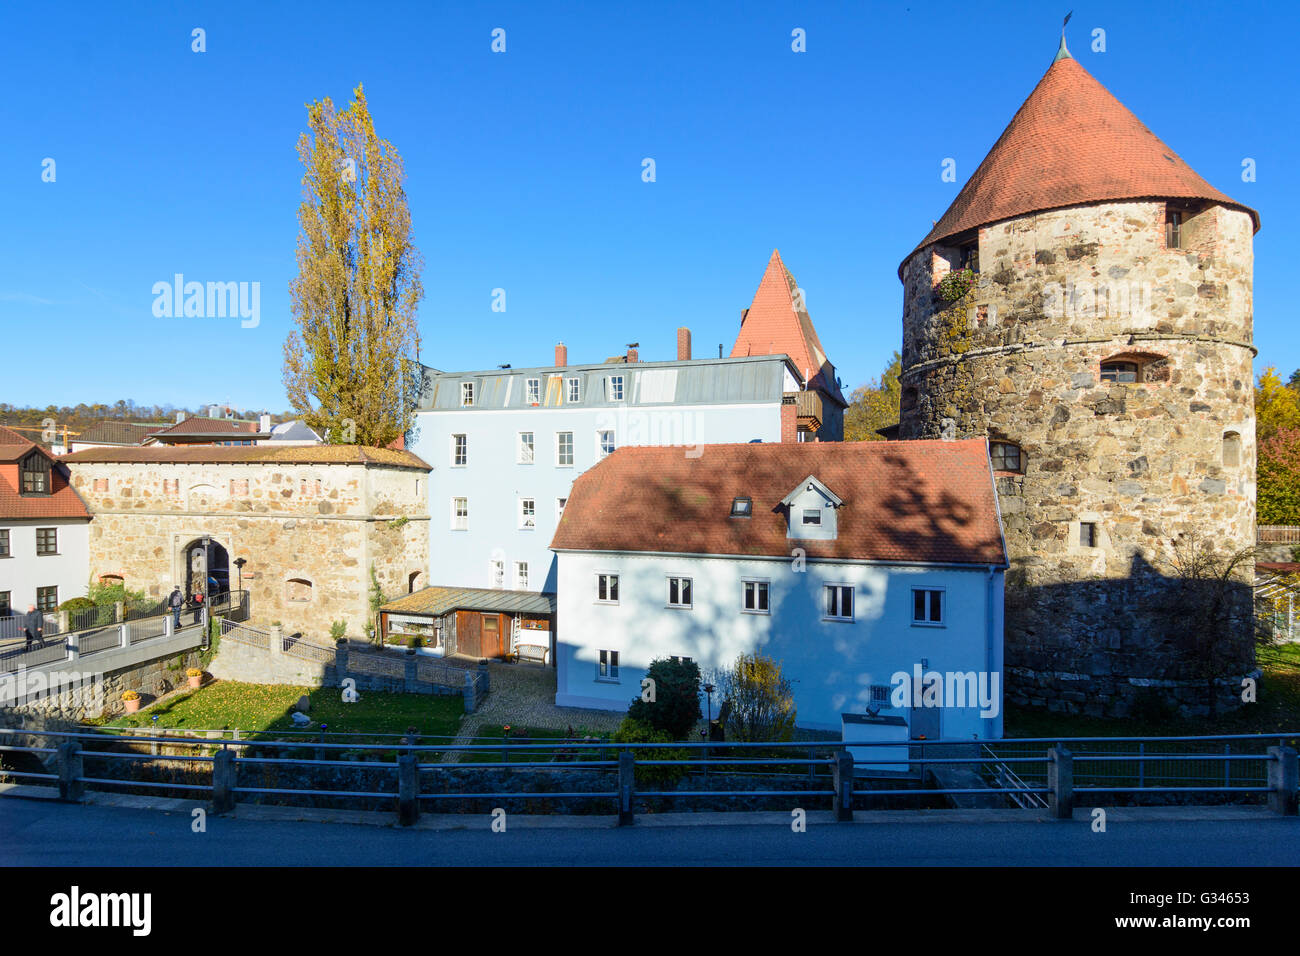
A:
1063,53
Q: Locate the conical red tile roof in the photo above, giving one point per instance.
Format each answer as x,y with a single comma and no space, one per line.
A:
774,325
1071,143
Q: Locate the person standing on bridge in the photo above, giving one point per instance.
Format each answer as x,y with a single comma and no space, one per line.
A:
33,628
176,601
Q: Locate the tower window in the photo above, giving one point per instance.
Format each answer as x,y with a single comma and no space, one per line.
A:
1087,534
1174,220
1006,456
1120,372
968,256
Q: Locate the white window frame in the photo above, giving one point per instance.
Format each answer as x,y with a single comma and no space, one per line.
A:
520,457
496,573
558,463
466,394
559,508
572,390
459,449
608,590
533,391
616,390
839,602
766,585
607,666
690,588
521,575
527,514
601,454
929,607
459,522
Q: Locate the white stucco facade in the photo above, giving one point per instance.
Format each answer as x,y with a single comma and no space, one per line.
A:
488,475
23,571
833,664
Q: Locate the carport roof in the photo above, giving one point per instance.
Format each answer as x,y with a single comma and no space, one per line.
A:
436,601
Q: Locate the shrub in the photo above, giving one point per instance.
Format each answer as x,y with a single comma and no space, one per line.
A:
633,731
675,709
956,284
77,604
339,630
761,700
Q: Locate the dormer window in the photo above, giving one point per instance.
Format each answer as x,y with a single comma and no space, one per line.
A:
742,507
811,511
616,388
36,475
466,394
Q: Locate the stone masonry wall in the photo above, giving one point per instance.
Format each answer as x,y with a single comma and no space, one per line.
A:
323,524
1018,358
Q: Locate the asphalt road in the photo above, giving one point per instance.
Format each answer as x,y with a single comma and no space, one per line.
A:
34,833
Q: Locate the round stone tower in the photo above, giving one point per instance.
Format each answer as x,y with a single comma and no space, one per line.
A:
1085,303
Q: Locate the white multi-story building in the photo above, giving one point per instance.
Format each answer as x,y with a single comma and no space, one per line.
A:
44,531
871,571
506,444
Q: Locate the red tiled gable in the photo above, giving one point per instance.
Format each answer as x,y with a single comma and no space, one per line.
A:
216,426
1071,143
772,326
913,501
62,502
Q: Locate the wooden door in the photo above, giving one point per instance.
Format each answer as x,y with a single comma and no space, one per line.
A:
490,639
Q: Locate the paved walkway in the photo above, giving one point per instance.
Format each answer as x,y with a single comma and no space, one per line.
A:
523,695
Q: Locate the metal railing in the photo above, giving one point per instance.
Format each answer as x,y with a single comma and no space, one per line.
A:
245,634
621,773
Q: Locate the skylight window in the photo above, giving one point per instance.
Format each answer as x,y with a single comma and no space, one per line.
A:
742,508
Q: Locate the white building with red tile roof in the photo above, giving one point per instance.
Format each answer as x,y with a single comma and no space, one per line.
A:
44,530
850,563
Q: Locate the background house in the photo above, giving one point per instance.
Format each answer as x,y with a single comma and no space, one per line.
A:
43,530
848,563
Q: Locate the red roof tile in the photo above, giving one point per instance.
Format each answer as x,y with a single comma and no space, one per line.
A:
1072,142
773,326
912,501
62,502
247,454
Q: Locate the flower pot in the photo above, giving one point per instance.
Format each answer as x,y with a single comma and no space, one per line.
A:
195,682
132,705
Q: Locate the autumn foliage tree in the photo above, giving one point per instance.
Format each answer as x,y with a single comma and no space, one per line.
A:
1277,406
1279,478
874,405
351,366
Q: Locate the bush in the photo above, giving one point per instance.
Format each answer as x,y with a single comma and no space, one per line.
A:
761,700
675,709
339,630
77,604
956,284
632,731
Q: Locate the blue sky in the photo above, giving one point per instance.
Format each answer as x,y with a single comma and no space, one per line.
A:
524,168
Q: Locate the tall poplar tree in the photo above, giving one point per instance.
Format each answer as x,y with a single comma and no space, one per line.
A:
351,367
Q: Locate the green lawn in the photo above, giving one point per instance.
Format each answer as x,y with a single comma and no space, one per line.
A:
265,708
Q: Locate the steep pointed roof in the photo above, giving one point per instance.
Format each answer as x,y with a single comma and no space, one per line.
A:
775,324
1071,142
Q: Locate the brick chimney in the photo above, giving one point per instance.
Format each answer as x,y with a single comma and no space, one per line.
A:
789,419
561,355
683,345
633,355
